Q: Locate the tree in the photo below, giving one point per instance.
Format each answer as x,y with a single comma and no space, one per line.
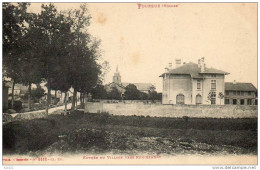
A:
153,95
14,16
99,92
114,94
143,96
84,69
31,68
221,96
131,92
159,96
36,94
54,34
211,95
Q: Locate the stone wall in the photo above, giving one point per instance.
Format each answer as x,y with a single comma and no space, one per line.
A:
200,111
93,107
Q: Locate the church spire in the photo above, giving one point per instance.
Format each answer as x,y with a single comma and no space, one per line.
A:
117,77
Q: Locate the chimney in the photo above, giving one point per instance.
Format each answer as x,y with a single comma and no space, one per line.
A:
234,82
202,64
177,63
199,63
170,66
166,69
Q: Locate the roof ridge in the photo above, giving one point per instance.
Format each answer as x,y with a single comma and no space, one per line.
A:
240,82
136,83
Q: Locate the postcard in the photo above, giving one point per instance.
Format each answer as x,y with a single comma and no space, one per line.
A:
129,83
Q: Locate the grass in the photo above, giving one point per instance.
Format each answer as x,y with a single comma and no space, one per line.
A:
105,133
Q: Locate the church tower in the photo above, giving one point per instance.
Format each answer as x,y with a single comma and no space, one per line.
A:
117,77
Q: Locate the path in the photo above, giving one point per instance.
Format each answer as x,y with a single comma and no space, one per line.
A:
51,110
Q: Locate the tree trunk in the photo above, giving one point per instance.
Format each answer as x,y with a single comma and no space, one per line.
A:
12,101
48,97
61,97
76,104
81,100
74,100
55,100
29,95
65,100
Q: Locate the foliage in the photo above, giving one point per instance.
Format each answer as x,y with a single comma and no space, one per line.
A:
211,95
221,95
99,92
14,17
114,94
131,92
51,46
36,94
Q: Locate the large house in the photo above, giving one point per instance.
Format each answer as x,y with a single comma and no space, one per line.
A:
240,93
143,87
193,83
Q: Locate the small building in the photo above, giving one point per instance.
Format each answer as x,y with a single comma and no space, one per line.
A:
237,93
19,89
191,83
143,87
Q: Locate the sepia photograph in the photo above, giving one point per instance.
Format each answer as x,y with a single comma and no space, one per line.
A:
159,83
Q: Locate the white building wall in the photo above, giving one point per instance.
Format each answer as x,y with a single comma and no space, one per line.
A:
196,91
184,84
176,84
219,88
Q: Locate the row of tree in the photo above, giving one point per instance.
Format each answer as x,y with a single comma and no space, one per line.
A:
131,93
52,47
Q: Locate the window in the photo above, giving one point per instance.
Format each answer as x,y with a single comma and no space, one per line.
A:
234,101
180,99
213,84
249,93
213,75
227,93
238,92
242,102
213,98
242,93
249,101
226,101
234,93
198,99
198,84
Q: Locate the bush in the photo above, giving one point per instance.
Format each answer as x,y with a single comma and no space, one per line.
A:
25,136
11,111
25,110
17,105
7,117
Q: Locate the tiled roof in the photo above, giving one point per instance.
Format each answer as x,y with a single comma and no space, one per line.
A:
194,70
114,84
141,86
230,86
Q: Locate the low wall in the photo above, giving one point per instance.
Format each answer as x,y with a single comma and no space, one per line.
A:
155,110
93,107
30,115
128,101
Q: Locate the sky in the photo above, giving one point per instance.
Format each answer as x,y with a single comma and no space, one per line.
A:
143,41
